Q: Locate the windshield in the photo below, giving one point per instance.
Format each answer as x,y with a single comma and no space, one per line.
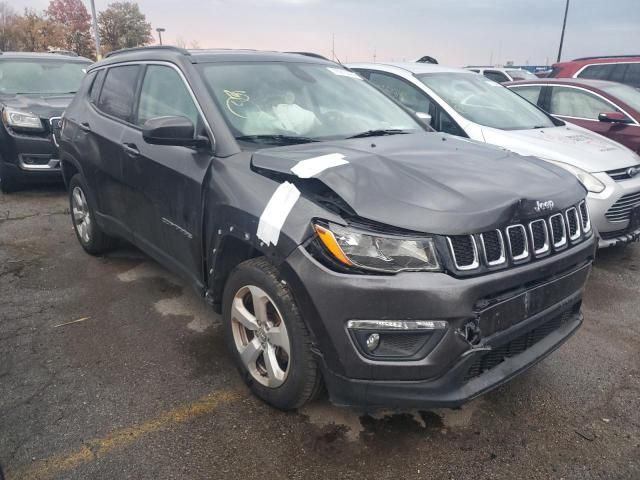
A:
487,103
302,101
626,94
46,77
521,74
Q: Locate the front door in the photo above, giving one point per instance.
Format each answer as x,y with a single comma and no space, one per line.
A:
165,183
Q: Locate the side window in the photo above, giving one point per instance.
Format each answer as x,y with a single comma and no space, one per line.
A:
405,93
496,76
94,93
531,93
444,123
632,76
118,91
164,94
597,72
571,102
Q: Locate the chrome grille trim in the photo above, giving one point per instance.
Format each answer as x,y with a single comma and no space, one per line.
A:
503,256
476,261
586,222
573,212
563,240
545,248
51,128
525,253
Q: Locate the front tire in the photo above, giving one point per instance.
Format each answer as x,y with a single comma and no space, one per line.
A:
269,341
88,232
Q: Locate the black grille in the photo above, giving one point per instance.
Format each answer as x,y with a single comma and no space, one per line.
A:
539,234
517,241
463,250
499,354
492,246
584,215
621,210
572,222
399,344
622,173
557,229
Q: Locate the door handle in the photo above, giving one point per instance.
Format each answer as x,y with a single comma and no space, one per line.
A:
131,149
84,126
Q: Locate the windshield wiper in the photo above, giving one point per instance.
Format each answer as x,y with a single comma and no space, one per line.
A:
277,139
379,133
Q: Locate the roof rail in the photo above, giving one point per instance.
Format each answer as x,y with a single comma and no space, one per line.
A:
68,53
604,56
151,47
310,54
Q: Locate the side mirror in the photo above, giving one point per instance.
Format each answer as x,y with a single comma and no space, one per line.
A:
177,131
424,117
613,117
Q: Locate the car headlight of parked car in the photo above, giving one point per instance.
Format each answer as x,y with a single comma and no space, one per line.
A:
20,120
591,183
378,252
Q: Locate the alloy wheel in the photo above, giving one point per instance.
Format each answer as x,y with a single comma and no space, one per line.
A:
81,216
260,336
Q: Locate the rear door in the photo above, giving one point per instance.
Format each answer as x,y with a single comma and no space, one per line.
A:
112,98
165,183
583,107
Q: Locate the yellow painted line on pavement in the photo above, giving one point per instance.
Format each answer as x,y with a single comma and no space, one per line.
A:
58,464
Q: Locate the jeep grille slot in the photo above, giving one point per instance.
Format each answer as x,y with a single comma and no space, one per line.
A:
465,251
539,237
558,230
493,247
584,216
573,223
517,237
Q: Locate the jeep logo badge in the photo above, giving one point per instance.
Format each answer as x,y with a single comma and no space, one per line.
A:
543,206
633,171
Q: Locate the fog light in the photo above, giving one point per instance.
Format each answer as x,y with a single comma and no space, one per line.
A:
373,341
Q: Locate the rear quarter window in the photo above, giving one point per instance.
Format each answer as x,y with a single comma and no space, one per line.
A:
118,91
96,86
531,92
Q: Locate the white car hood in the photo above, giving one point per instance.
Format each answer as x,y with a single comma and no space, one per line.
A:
570,144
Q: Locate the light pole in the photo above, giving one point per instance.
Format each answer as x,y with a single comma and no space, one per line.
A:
564,26
160,30
95,29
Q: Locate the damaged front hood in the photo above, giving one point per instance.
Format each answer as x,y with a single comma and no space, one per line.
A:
430,182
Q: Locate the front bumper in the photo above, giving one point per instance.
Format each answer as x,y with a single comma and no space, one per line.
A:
610,232
29,156
328,300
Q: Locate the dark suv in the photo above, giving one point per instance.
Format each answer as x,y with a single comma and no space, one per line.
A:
342,243
35,88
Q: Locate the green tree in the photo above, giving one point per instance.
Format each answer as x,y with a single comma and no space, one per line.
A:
123,25
75,24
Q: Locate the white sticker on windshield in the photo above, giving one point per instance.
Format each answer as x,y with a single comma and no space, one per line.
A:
276,213
313,166
344,73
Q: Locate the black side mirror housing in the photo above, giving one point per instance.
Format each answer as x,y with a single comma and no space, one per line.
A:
172,130
614,117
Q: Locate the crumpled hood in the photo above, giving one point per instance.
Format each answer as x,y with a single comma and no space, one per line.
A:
568,144
45,106
430,182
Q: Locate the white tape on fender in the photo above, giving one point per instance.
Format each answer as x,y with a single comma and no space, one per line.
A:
276,213
313,166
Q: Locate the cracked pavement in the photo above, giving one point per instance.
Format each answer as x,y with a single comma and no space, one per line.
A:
143,388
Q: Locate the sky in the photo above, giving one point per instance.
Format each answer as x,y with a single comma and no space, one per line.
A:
456,32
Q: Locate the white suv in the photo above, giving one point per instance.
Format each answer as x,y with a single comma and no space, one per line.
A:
459,102
502,75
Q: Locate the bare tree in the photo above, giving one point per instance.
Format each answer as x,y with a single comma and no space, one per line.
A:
8,27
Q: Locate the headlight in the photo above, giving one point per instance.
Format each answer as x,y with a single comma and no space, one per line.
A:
377,252
591,183
21,120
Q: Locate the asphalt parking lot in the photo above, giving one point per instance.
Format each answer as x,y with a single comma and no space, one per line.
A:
111,368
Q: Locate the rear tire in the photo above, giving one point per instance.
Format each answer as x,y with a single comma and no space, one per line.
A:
83,217
269,341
